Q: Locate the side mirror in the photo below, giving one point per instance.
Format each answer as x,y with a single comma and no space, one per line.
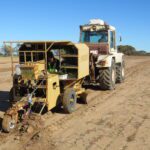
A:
120,39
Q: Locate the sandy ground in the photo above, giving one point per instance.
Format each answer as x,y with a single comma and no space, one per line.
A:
112,120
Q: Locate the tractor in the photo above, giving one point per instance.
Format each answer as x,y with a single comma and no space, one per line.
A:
106,64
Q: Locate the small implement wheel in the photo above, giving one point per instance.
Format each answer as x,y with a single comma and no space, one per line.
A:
69,100
8,124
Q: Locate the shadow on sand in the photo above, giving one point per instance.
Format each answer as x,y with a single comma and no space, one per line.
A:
4,103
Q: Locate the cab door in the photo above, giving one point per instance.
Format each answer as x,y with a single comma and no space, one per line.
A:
112,41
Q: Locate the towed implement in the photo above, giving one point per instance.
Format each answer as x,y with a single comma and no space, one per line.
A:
38,84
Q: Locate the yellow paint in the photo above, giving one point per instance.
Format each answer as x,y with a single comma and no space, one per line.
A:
83,60
53,90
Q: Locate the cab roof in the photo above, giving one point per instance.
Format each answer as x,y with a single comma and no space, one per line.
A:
97,24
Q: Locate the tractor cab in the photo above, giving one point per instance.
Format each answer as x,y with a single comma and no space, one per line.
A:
99,36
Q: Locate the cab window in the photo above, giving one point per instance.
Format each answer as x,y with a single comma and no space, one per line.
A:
112,42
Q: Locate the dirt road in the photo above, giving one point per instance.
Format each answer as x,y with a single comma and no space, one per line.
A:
113,120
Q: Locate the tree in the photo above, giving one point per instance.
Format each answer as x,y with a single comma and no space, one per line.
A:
127,49
7,50
130,50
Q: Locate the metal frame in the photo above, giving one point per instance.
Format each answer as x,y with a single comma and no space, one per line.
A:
12,62
26,41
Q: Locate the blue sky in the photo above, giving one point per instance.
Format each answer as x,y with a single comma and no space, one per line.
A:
60,19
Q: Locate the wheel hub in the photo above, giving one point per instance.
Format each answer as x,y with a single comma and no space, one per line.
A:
11,125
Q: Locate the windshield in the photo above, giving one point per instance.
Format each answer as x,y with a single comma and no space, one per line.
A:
94,37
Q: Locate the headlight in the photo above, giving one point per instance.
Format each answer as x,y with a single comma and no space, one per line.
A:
18,70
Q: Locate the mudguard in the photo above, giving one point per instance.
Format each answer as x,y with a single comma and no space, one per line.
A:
104,61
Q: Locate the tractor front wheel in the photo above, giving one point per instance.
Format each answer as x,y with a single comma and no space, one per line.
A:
107,77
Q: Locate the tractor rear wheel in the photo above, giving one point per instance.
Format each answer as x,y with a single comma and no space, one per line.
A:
107,77
69,100
8,124
120,74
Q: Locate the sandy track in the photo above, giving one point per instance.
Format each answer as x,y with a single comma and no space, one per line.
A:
113,120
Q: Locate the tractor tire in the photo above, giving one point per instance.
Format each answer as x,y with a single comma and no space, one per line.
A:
83,98
107,77
8,124
120,74
69,100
